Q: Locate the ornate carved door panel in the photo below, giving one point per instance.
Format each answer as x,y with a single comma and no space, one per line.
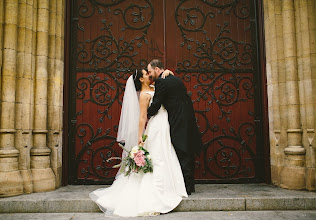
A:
109,40
211,45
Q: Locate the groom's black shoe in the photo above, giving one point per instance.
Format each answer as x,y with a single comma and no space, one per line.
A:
193,188
188,192
188,189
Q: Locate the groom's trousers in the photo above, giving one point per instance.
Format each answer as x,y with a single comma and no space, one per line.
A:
187,166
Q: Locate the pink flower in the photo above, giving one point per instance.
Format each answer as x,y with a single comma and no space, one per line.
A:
139,159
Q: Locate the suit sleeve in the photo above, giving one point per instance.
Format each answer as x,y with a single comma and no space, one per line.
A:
160,93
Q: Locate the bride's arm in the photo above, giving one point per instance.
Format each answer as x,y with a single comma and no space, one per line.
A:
166,73
144,99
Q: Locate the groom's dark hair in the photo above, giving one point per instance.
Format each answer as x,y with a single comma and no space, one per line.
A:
156,63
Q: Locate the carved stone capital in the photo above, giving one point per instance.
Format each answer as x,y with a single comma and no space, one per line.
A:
9,152
40,151
294,130
294,150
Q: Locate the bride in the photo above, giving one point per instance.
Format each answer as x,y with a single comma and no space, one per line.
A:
142,194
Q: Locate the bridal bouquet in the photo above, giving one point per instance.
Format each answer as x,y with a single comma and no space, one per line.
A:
138,159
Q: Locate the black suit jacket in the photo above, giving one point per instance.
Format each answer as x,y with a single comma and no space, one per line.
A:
172,94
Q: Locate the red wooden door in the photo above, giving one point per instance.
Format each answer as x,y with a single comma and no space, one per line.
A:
211,46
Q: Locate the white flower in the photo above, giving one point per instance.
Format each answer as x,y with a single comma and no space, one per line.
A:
131,155
134,149
148,156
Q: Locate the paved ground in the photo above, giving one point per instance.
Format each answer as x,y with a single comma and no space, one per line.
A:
208,197
239,215
211,201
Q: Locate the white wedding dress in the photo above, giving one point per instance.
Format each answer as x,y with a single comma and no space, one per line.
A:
151,193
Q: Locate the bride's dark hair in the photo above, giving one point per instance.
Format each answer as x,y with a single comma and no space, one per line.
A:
136,75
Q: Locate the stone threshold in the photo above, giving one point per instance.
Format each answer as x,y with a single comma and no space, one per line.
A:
208,197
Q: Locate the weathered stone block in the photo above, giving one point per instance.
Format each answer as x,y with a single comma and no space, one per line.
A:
39,143
310,115
6,142
58,174
59,48
43,20
293,116
27,181
11,12
20,64
43,180
52,24
40,161
22,14
11,183
9,62
8,93
311,178
52,47
42,44
275,174
21,40
313,65
23,143
19,115
10,36
29,20
40,116
41,70
43,4
293,178
283,116
310,203
312,38
219,204
9,163
52,6
275,203
27,72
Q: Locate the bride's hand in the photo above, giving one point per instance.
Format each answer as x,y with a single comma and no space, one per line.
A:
166,73
140,141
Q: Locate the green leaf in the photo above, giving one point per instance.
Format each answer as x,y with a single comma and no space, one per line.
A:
144,137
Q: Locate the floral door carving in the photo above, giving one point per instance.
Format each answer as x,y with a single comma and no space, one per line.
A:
211,45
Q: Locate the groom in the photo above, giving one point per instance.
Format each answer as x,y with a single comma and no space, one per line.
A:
185,136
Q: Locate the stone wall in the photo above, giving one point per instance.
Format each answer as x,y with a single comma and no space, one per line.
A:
31,67
31,89
290,33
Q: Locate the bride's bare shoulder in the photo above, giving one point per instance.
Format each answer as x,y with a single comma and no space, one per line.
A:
144,96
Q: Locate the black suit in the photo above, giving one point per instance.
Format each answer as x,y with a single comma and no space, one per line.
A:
185,136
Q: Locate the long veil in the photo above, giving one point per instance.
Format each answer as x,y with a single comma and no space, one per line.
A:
129,119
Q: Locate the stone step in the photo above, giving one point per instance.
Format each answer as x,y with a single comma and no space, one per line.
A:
208,197
210,215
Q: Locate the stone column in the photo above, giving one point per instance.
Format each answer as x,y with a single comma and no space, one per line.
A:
24,92
273,31
311,172
1,37
306,45
10,178
293,173
59,79
54,134
43,176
